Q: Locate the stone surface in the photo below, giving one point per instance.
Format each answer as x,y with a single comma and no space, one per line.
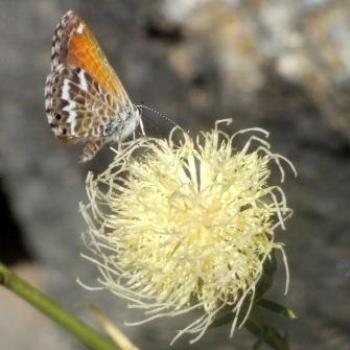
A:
282,65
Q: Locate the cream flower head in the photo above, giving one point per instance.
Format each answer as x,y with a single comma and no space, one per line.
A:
177,226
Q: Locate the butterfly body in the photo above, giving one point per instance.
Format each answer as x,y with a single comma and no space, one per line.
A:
84,98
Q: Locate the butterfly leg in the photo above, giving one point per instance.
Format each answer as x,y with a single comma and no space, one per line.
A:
119,144
142,128
91,148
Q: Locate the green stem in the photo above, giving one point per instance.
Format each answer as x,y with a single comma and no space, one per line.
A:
79,329
266,334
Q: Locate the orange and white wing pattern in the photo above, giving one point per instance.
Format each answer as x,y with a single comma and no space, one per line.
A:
84,98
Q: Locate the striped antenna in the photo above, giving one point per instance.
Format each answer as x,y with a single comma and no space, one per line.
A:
142,106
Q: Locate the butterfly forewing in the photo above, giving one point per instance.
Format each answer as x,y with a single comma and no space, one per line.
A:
74,43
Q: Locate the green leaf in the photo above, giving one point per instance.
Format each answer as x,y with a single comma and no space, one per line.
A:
277,308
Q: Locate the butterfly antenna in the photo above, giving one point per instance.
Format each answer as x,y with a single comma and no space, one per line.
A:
142,106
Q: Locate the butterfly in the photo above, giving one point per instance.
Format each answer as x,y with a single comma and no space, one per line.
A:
84,98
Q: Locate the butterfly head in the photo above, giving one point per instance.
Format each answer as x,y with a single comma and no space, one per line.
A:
131,122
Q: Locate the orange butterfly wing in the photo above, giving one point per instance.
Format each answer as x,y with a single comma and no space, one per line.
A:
75,44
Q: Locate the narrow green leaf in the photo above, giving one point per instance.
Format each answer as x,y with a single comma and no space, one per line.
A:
277,308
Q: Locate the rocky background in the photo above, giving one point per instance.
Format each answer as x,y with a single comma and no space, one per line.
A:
279,64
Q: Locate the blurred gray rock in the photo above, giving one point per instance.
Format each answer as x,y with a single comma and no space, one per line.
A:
278,64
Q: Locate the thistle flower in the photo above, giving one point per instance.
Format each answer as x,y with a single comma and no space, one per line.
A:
178,226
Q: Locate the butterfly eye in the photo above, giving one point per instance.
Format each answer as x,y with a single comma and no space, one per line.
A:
58,116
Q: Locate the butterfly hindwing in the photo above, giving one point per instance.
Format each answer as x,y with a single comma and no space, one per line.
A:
77,106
